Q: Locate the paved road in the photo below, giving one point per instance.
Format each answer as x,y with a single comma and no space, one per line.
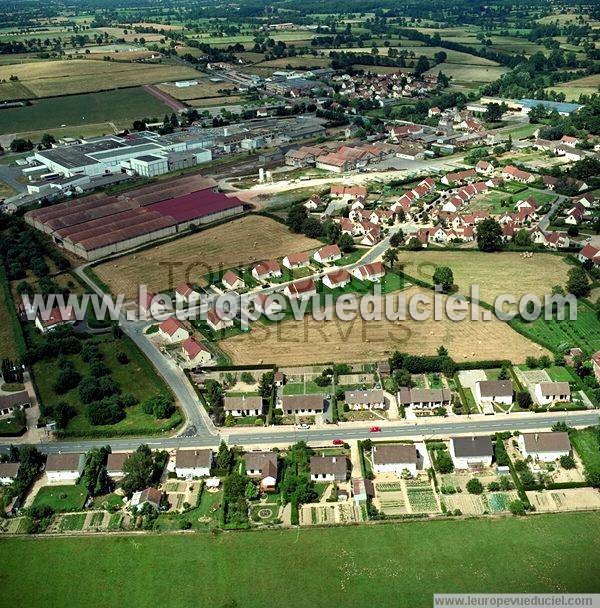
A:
9,176
545,221
286,435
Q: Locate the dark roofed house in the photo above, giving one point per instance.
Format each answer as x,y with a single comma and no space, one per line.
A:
9,402
395,458
149,496
328,468
552,392
64,467
114,464
546,447
262,465
193,463
244,405
365,400
303,404
8,472
424,398
474,451
494,391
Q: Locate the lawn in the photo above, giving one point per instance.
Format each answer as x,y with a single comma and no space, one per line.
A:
546,553
587,446
583,332
200,517
137,377
541,197
61,498
120,106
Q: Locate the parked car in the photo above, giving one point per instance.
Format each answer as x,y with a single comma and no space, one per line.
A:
303,426
375,429
338,442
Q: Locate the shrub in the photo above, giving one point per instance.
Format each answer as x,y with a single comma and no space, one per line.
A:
516,507
474,486
567,462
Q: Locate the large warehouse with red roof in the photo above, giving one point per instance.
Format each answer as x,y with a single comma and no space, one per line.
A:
97,226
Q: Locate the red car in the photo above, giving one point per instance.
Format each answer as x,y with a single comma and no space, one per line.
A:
375,429
338,442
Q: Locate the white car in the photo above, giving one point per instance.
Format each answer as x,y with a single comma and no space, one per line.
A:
303,427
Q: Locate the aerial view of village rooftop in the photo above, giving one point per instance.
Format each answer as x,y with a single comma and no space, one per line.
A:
300,303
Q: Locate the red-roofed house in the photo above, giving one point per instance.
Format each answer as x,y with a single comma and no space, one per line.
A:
296,260
216,319
173,330
513,173
484,168
231,281
589,252
338,278
327,254
304,288
49,320
185,292
266,304
569,140
266,269
194,352
372,272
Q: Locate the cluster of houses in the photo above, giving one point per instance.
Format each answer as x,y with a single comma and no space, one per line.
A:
566,146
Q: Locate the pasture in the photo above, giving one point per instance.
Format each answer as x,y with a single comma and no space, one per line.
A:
236,243
121,107
53,78
470,72
495,273
572,89
308,341
204,88
360,564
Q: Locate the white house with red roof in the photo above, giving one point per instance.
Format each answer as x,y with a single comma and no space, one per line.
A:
232,281
328,254
370,272
217,320
173,330
305,288
512,173
337,278
186,293
150,305
589,252
266,304
296,260
313,203
266,270
569,140
195,353
484,168
574,216
47,321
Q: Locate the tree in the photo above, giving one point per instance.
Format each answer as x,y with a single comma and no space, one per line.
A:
414,244
474,486
224,457
578,283
489,235
296,218
523,238
397,239
493,113
443,276
443,462
138,469
516,507
390,257
524,400
251,492
346,243
48,140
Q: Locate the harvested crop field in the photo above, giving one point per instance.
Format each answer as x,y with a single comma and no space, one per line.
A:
587,85
309,341
495,273
236,243
48,78
204,88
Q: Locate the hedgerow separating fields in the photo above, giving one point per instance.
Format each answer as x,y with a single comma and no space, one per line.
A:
388,565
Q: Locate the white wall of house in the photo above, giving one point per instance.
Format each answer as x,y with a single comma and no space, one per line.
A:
396,468
62,475
238,413
542,456
322,477
504,399
179,335
189,472
466,462
547,399
5,481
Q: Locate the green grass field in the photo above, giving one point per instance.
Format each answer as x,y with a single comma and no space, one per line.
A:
61,498
587,446
388,565
120,106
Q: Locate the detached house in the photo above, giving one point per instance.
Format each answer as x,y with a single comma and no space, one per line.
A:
470,452
328,468
64,467
186,293
266,270
494,391
217,320
246,405
173,330
512,173
303,404
193,463
115,464
8,472
328,254
305,288
395,458
47,321
365,400
232,281
552,392
370,272
262,465
266,304
424,398
337,278
546,447
296,260
194,352
484,168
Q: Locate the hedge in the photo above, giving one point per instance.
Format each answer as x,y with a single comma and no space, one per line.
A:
567,484
14,322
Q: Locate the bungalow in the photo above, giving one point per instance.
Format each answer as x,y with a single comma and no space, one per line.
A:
193,463
217,320
313,203
244,405
365,400
328,468
149,496
546,447
8,472
459,177
232,281
552,392
494,391
348,193
589,252
574,216
424,398
173,330
371,272
303,404
362,490
484,168
266,304
511,173
194,352
10,402
569,140
114,464
587,200
151,305
185,293
262,465
469,452
337,278
265,270
328,254
395,458
47,321
556,240
305,288
296,260
569,152
64,467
